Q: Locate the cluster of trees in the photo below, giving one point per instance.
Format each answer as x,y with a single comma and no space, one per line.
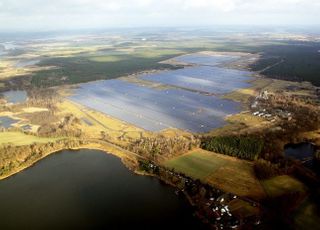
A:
180,180
266,169
300,107
66,128
238,146
297,105
206,200
43,98
40,118
160,146
304,116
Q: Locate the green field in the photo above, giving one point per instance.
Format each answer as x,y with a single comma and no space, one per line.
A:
281,185
197,164
224,172
17,138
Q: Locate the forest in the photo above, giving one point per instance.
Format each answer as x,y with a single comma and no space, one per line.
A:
297,61
73,70
238,146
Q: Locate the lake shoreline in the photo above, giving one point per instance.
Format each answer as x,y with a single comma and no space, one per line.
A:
126,160
88,169
92,146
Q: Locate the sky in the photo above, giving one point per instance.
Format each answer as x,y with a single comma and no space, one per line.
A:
36,15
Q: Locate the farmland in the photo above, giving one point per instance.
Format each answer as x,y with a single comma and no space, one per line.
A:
18,138
280,185
226,173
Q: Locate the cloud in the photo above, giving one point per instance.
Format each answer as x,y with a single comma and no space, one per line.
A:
37,14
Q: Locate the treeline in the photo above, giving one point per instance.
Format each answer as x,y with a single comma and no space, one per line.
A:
40,97
206,200
40,118
264,62
66,128
37,97
13,157
266,169
237,146
305,117
158,147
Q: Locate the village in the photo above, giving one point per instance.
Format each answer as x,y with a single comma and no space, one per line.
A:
218,209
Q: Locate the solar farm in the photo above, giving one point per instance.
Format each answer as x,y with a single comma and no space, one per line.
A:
192,102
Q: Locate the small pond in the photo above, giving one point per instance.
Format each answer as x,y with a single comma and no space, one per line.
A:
15,96
7,122
302,151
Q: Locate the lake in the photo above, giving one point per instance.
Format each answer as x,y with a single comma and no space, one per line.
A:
90,189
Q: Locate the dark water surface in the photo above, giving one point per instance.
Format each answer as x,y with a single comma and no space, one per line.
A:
89,189
302,151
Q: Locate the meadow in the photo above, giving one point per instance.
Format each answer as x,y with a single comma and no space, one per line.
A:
281,185
19,138
221,171
232,175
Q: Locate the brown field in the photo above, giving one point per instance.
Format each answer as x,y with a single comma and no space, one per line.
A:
241,122
98,122
18,138
281,185
224,172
